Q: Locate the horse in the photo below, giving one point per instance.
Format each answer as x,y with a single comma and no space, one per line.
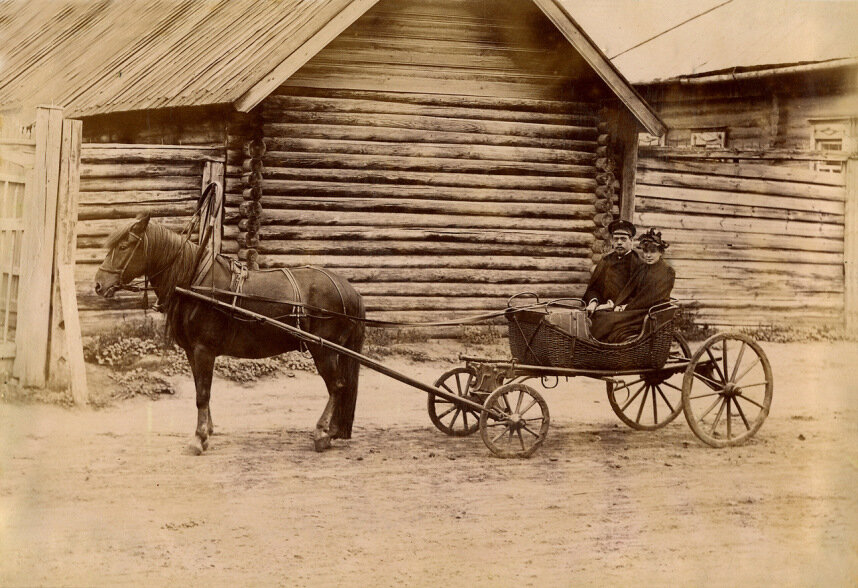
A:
146,248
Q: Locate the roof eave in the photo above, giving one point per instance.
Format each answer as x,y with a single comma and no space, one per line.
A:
603,67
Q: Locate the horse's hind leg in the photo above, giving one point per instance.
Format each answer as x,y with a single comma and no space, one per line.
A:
202,364
327,365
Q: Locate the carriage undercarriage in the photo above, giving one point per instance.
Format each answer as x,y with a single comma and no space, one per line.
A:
724,388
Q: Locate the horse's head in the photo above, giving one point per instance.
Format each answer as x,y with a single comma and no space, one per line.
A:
126,257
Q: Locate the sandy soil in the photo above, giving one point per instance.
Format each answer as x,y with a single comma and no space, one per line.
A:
109,497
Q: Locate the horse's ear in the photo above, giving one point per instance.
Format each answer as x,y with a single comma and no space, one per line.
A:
139,227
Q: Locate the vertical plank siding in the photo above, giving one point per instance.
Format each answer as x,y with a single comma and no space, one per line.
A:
752,243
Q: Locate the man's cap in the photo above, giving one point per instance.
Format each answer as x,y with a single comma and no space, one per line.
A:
622,227
654,237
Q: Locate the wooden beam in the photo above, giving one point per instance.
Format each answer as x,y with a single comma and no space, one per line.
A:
213,172
303,54
602,65
34,304
65,347
627,139
850,252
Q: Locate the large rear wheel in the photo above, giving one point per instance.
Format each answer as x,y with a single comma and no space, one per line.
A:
651,400
727,390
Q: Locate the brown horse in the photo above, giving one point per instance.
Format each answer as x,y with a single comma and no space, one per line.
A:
145,248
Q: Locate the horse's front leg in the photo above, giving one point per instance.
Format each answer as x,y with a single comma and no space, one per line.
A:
202,364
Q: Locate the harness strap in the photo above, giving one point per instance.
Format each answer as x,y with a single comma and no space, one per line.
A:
334,282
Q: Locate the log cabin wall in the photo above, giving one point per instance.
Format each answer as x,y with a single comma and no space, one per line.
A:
754,241
441,155
139,162
768,112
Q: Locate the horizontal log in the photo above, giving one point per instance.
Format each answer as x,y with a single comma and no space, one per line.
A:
273,189
280,122
138,170
93,322
415,178
436,99
462,289
698,252
274,104
442,150
434,164
742,154
743,170
832,302
741,240
740,199
138,196
577,259
508,209
645,204
729,184
368,218
140,184
346,233
729,224
405,135
321,247
92,154
101,228
129,211
448,304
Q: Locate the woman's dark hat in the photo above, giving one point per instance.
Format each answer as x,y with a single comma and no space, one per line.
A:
622,227
654,237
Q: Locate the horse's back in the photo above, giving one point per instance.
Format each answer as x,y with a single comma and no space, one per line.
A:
310,285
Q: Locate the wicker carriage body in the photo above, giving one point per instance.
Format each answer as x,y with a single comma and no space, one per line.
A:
534,340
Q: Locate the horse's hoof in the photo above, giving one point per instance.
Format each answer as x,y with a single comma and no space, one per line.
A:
197,447
321,443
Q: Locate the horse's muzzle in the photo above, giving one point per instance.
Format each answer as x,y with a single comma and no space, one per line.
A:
105,292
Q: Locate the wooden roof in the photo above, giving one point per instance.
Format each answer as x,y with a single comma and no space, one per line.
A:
101,56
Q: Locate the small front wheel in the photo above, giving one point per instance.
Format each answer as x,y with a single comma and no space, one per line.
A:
450,418
514,421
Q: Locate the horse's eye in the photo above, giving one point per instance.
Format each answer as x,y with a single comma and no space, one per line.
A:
124,246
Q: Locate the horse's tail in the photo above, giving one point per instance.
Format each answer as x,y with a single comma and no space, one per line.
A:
349,371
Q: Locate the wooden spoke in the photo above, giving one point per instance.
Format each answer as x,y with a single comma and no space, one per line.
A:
643,403
724,358
708,410
738,362
745,373
632,398
717,385
663,397
742,414
718,417
704,395
714,361
751,400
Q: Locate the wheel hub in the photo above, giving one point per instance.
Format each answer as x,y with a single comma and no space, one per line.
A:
515,421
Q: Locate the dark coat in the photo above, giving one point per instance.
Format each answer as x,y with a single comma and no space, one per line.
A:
611,276
650,285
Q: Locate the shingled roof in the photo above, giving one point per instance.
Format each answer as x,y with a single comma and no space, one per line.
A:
101,56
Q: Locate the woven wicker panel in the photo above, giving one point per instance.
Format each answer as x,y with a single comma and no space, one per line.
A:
540,343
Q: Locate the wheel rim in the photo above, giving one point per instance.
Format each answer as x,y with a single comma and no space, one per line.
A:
451,418
514,422
727,390
650,401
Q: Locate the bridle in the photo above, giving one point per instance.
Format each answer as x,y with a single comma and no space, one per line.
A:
121,283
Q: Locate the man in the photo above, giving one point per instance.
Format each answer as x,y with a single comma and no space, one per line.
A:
612,274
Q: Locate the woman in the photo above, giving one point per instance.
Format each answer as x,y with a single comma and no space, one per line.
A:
650,285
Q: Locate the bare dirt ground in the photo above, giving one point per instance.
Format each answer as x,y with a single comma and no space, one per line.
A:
109,497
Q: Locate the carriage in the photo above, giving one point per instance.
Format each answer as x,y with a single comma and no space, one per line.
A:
217,308
650,379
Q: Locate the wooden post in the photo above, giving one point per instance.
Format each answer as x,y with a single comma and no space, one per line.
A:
627,139
214,172
850,245
37,259
65,364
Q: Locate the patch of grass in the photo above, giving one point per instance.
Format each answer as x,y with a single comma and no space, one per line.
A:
482,335
776,333
689,325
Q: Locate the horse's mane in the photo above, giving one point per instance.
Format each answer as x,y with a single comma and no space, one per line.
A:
172,249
